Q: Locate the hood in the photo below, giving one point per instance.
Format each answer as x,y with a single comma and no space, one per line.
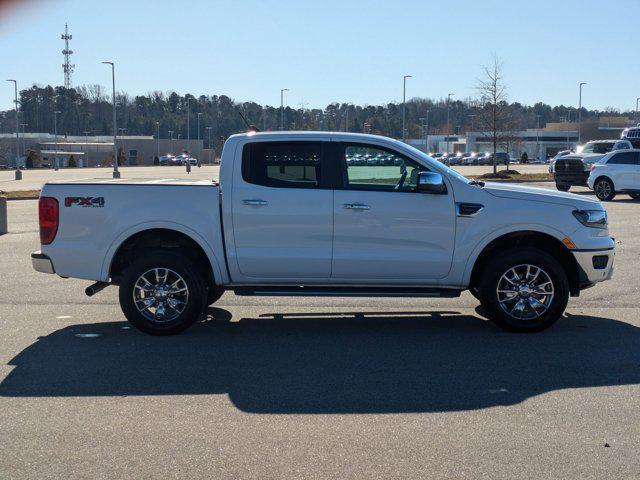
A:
586,157
536,194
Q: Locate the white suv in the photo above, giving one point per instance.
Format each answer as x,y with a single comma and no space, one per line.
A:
616,172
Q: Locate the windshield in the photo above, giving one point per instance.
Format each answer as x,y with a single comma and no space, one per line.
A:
600,147
426,158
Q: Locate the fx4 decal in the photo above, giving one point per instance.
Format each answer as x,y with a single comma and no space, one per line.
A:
84,201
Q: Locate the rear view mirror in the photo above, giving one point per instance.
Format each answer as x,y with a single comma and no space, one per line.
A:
431,182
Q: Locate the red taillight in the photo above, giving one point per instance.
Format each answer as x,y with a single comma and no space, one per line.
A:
48,213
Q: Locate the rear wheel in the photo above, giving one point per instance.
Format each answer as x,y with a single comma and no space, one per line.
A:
635,196
162,294
563,188
524,290
604,189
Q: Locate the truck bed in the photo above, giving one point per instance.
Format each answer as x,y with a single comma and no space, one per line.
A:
137,181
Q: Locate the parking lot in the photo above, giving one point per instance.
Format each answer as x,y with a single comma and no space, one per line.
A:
314,387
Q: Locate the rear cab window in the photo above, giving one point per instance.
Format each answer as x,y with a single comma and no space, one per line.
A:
295,164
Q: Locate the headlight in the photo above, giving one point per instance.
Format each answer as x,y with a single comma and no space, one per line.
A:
592,218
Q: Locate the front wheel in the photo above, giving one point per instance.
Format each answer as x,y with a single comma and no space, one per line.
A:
635,196
604,189
524,290
162,294
563,188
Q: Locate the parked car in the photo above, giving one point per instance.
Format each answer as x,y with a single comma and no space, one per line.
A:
574,169
327,234
617,172
168,160
561,153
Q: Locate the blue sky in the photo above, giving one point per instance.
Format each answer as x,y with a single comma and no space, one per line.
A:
325,51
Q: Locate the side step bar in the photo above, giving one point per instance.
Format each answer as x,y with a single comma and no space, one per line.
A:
311,291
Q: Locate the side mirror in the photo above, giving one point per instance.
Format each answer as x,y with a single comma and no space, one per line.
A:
431,182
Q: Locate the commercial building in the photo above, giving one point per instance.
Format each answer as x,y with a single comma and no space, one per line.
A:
92,151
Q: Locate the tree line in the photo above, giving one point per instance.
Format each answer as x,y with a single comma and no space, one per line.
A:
88,110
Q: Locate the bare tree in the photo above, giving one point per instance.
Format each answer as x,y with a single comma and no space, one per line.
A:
494,118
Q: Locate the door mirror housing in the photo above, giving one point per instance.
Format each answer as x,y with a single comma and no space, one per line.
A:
431,182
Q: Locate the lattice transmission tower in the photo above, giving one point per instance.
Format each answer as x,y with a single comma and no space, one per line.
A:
67,67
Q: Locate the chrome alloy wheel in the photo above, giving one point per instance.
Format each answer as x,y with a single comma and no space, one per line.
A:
603,189
525,292
160,295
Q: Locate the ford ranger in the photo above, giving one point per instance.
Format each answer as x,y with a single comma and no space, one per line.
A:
291,216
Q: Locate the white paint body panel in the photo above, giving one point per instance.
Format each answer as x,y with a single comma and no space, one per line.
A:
304,236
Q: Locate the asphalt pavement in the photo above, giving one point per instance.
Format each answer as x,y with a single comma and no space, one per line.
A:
316,387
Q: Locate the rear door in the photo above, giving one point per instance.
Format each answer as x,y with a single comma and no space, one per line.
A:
282,212
384,230
623,169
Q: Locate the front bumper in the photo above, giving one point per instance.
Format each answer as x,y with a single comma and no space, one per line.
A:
41,263
578,178
594,265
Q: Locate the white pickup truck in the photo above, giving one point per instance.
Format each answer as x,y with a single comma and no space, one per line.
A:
294,214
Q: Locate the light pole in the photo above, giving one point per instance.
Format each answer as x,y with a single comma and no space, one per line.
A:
282,90
171,138
188,128
448,116
86,146
637,100
199,149
55,137
209,143
116,172
18,173
404,104
158,140
426,133
538,138
580,114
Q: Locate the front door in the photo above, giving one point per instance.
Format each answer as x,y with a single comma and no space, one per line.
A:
282,213
384,230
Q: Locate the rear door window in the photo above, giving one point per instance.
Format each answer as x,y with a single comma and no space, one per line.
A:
624,158
283,164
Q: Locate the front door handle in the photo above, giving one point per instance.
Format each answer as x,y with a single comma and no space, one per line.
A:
356,206
255,203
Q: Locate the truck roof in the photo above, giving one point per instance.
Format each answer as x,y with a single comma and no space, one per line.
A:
288,134
136,181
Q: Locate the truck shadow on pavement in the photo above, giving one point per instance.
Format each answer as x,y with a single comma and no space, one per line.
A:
351,362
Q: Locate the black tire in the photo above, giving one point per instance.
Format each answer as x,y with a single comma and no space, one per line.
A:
563,188
604,189
492,279
635,196
178,264
213,294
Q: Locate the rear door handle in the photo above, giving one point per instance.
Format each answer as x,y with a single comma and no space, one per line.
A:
356,206
255,203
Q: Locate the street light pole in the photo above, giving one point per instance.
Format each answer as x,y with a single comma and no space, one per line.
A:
209,144
171,138
18,173
448,116
188,127
199,149
404,104
538,138
637,100
282,90
580,114
86,146
116,172
426,133
55,137
158,140
24,144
